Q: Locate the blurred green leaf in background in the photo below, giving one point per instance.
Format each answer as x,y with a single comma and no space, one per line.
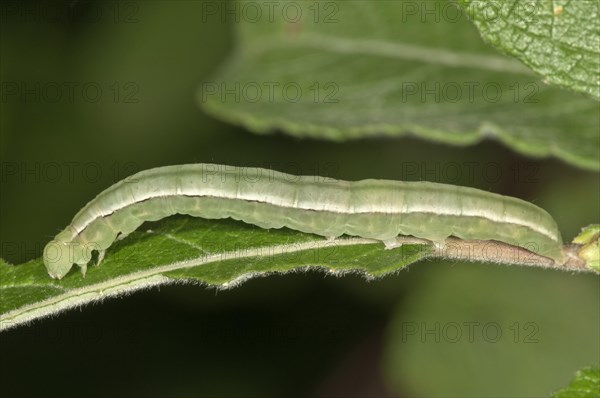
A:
585,384
352,69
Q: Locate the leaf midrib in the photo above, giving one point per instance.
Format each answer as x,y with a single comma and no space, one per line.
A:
430,55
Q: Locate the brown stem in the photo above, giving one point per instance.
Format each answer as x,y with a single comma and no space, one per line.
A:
503,253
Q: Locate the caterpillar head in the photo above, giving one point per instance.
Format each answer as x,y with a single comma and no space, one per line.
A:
58,258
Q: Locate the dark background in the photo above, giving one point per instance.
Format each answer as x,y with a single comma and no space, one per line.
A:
295,335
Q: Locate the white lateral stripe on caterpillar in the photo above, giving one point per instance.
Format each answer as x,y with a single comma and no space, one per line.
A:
336,208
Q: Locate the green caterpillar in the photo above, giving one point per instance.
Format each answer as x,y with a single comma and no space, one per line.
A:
376,209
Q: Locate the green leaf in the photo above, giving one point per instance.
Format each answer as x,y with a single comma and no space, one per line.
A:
353,69
586,384
558,39
588,235
588,249
216,253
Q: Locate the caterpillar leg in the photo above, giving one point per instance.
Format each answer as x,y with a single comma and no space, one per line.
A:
391,244
404,240
122,236
101,254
